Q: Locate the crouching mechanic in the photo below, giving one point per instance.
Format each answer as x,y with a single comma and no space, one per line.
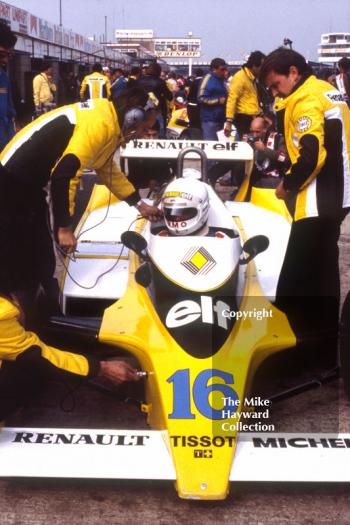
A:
56,147
27,363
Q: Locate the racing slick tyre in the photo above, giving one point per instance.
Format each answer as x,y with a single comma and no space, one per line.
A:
345,345
191,134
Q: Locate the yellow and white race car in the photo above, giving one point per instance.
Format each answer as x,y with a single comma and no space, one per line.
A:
198,314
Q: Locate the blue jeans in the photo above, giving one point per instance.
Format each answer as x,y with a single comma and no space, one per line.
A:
160,119
210,128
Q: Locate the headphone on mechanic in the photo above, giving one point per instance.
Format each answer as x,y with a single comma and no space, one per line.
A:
136,115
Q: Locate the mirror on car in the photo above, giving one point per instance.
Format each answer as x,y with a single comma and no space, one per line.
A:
135,242
254,246
143,275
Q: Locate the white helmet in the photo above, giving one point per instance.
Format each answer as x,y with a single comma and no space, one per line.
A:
191,172
185,205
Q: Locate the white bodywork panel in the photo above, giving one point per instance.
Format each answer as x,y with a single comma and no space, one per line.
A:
98,250
301,462
259,221
138,454
170,149
225,252
85,460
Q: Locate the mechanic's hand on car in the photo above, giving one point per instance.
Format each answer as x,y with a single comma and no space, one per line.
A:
281,193
117,372
152,213
66,239
228,129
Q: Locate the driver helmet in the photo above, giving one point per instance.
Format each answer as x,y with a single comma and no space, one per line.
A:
191,173
185,206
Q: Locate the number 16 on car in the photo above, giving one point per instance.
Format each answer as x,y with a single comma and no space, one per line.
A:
198,390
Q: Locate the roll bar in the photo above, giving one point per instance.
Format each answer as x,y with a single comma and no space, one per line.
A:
181,158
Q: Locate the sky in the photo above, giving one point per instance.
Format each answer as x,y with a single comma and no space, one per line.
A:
229,28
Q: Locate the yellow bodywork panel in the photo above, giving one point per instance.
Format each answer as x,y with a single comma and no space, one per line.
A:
184,394
202,451
266,198
180,114
100,197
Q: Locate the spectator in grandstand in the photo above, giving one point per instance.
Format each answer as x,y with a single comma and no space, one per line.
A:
7,110
95,85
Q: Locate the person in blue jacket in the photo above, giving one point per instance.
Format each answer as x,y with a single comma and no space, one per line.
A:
118,82
7,110
212,96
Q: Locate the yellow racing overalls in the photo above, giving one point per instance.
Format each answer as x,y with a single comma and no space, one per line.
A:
26,362
242,102
316,122
95,85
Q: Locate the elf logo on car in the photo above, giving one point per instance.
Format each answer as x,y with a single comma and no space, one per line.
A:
186,312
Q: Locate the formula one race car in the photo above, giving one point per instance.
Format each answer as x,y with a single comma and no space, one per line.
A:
197,312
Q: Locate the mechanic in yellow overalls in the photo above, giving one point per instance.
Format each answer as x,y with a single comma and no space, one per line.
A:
27,363
242,102
316,189
95,85
56,147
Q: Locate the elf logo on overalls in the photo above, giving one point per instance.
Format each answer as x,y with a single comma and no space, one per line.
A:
187,311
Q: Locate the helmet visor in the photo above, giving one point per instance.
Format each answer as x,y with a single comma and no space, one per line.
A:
179,214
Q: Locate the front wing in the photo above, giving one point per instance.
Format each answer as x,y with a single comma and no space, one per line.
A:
137,454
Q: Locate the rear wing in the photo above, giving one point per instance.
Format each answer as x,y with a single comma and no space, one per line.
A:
170,149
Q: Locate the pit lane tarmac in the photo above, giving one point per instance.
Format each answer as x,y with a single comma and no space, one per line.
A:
90,502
